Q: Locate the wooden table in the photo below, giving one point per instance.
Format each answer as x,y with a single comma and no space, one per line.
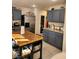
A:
32,39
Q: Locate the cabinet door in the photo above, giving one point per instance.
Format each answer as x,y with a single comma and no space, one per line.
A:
59,40
50,16
52,38
45,33
56,15
62,15
16,14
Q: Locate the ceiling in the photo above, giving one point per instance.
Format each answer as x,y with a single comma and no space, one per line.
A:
42,4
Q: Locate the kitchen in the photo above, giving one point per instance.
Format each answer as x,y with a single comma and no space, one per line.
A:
28,18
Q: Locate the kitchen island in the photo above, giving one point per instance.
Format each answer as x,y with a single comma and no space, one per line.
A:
32,39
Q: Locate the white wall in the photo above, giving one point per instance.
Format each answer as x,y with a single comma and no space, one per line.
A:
57,6
37,21
38,14
43,12
64,39
24,10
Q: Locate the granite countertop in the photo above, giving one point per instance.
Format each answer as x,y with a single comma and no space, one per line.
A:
59,31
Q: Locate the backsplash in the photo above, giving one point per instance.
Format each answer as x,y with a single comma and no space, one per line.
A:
55,26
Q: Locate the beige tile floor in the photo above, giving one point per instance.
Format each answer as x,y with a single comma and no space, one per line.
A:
48,51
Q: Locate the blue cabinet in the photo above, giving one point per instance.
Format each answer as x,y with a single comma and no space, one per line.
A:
46,35
56,15
53,38
50,18
59,40
16,14
62,15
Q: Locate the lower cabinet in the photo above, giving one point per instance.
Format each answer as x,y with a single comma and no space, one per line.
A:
53,38
46,36
59,40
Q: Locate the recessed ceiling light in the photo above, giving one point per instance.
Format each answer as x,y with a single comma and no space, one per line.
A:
34,5
53,0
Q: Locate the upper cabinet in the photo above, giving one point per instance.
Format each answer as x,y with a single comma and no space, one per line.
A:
16,14
56,15
50,16
62,15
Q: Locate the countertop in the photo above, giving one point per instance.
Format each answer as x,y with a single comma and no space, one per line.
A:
28,35
59,31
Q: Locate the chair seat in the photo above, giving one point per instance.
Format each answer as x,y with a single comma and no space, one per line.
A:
24,53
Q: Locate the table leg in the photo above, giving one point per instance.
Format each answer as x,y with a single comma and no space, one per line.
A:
33,50
41,50
31,57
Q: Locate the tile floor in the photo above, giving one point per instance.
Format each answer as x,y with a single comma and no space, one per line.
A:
48,51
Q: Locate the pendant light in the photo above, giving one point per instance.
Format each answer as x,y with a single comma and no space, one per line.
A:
33,4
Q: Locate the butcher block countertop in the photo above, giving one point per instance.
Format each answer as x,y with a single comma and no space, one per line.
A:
26,38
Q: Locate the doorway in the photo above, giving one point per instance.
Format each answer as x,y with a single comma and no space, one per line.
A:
42,23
